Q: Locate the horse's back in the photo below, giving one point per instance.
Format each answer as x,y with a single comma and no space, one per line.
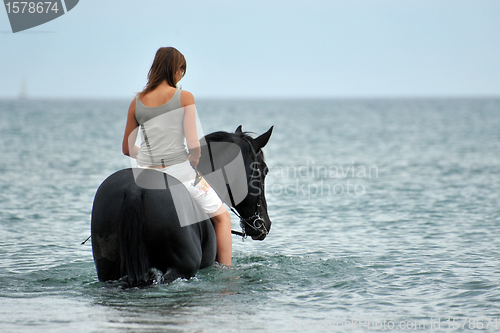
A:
135,223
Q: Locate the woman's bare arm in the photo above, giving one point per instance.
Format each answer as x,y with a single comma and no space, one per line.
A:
187,103
130,136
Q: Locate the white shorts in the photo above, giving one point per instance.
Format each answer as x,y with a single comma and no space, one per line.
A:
204,195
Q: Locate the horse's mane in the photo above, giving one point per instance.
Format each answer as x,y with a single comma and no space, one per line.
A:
222,136
238,138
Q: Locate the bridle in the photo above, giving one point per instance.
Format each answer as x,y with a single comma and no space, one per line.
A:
255,222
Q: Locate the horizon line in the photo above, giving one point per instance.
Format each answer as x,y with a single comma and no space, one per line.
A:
277,97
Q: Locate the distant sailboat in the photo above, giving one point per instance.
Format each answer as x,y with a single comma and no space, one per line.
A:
23,93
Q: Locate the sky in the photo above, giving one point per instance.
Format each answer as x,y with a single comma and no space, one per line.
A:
261,49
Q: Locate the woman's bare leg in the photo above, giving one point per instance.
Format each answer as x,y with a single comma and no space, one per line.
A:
222,224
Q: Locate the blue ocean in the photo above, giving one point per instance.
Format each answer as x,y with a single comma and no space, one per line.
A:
386,217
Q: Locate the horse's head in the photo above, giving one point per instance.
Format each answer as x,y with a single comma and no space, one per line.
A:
243,191
253,209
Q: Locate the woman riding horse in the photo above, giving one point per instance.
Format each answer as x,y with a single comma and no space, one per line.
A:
166,117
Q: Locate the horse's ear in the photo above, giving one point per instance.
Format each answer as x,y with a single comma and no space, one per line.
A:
238,130
264,138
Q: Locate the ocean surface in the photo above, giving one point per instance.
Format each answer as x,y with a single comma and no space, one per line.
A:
386,217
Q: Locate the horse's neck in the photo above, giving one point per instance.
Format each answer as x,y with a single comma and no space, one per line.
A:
223,165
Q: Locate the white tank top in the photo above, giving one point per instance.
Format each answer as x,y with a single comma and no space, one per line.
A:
162,132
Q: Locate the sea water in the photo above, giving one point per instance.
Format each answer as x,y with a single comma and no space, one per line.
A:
386,217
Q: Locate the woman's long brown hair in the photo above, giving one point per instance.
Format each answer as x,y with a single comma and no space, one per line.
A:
168,60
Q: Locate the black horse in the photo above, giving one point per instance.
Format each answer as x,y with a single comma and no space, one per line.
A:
135,226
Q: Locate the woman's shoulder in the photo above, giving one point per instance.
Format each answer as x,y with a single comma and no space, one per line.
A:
186,98
132,104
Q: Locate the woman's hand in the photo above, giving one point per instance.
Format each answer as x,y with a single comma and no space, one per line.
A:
193,160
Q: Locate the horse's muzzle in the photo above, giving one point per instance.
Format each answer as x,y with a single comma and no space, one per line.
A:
258,225
259,237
